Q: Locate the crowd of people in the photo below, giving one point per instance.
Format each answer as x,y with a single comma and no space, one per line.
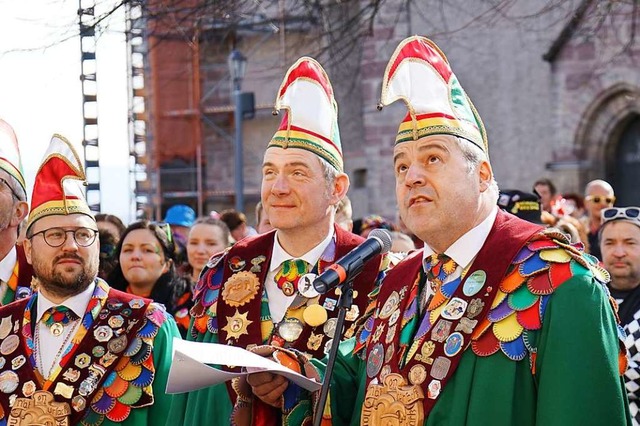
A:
498,307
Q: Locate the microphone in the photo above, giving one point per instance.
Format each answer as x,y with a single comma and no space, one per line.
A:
351,264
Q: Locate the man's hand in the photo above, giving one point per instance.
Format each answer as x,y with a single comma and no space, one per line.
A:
268,387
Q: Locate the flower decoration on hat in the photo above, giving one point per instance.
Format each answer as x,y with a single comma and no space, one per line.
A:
419,74
58,187
311,118
10,153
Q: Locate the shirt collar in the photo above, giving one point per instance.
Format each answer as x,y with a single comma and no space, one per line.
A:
466,248
78,303
7,264
279,254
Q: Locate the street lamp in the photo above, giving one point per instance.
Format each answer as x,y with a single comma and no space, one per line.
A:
237,67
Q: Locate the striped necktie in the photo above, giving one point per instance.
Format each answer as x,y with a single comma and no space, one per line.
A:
437,267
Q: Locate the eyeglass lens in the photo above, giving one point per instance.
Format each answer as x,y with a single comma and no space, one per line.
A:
630,212
55,237
597,199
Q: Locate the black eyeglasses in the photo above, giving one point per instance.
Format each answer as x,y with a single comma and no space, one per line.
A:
613,213
55,237
10,188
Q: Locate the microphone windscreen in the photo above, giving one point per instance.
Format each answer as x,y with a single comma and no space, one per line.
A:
384,237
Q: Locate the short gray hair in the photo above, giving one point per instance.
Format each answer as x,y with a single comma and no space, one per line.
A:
474,156
16,188
330,174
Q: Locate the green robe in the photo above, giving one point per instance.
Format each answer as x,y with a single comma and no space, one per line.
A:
208,406
576,382
162,349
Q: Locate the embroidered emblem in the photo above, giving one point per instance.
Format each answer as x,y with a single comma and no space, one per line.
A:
237,325
8,381
240,288
236,264
440,367
466,325
474,308
454,309
453,344
390,305
255,263
441,330
330,304
375,359
474,283
434,389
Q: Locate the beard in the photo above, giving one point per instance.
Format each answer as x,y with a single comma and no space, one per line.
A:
61,284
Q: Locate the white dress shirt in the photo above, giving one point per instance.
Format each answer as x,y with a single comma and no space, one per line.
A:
6,270
465,249
49,345
278,301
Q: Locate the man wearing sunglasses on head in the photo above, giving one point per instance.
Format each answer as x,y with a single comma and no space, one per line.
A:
598,195
15,272
77,351
620,246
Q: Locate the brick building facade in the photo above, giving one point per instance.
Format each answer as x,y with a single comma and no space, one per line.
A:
556,98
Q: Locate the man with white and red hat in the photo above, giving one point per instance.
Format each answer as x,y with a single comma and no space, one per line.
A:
249,295
494,321
77,351
15,272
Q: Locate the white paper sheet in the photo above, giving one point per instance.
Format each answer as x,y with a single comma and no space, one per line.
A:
189,370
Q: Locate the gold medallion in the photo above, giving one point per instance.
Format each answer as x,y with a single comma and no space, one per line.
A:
240,288
314,342
393,402
417,374
425,353
237,325
315,315
352,313
63,389
56,329
40,409
288,288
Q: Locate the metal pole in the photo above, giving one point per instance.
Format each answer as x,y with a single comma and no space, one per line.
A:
238,153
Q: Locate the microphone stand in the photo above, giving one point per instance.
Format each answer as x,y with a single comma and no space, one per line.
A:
344,304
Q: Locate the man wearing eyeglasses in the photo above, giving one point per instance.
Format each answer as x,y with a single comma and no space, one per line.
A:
15,271
78,351
598,195
620,246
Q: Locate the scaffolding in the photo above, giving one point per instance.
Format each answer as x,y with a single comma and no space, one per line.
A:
88,78
142,173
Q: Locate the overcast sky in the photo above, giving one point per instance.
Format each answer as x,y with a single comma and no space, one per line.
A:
40,92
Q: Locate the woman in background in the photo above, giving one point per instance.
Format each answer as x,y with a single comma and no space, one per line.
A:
146,268
110,222
207,237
